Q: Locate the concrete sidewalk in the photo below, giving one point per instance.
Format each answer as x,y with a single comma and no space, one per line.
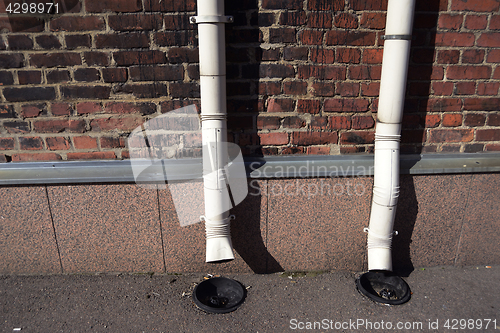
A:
444,299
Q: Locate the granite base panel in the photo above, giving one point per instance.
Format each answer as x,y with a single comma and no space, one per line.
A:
282,225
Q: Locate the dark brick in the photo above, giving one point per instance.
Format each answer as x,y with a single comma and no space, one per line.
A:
184,90
120,6
178,22
347,89
169,6
492,134
494,119
282,4
7,144
292,18
368,5
55,59
29,94
348,55
127,108
96,58
29,77
7,111
135,22
127,58
48,42
149,90
57,76
30,143
311,37
322,5
322,72
16,127
362,122
280,105
86,74
311,106
319,123
324,89
295,53
6,78
276,70
59,125
450,135
20,42
13,60
77,23
128,40
357,137
263,19
350,38
114,74
481,104
319,20
90,92
76,41
179,55
282,35
340,122
108,142
323,56
473,148
157,73
268,122
346,20
57,143
365,72
346,105
176,38
295,87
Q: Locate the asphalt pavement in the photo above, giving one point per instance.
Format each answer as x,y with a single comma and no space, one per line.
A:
444,299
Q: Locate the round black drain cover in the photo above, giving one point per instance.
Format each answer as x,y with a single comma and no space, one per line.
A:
219,295
383,287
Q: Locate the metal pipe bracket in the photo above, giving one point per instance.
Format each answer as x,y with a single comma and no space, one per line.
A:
211,19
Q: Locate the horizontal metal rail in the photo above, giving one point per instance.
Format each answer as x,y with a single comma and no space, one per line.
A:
67,172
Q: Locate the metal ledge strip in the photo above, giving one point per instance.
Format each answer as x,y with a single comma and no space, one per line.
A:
64,172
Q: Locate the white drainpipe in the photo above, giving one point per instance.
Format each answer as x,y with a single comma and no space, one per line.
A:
388,132
212,50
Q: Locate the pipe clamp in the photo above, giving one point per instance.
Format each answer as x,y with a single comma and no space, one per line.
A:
397,37
211,19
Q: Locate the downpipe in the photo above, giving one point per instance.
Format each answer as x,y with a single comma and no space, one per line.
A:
380,283
388,132
210,20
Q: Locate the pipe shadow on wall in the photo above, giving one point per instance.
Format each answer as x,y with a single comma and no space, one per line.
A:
244,57
415,125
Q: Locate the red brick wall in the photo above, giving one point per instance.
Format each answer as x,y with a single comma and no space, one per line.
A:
303,76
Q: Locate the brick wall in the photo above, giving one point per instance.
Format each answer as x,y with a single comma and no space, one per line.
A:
303,76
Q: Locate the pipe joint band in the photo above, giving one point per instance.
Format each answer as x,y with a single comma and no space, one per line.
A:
379,241
217,116
397,37
383,137
222,229
211,19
